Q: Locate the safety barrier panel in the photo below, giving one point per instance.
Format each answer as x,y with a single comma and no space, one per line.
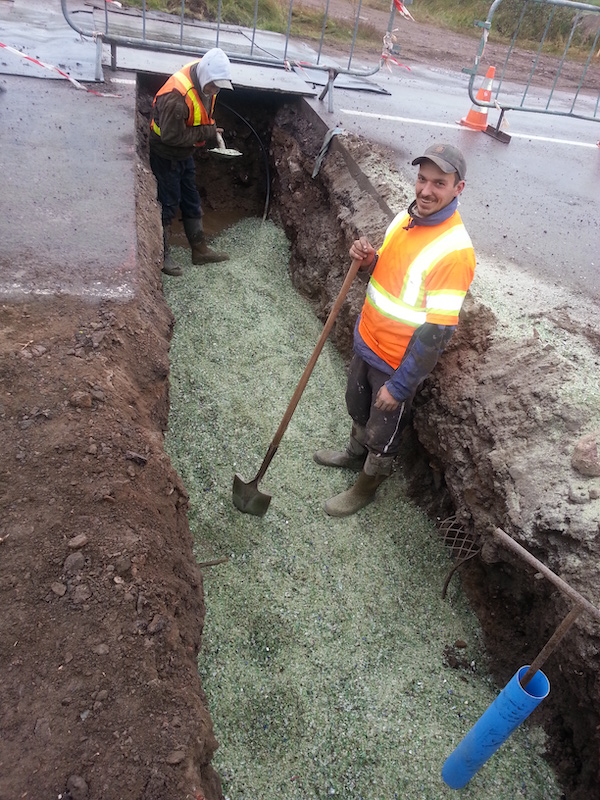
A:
142,29
517,89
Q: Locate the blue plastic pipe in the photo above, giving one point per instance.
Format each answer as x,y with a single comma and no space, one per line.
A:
513,705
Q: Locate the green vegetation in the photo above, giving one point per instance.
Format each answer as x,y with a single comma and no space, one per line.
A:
325,641
456,15
536,19
272,15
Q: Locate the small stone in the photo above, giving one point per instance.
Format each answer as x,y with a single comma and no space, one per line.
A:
579,495
74,563
123,565
77,788
157,624
81,400
138,458
59,589
585,455
82,593
78,541
101,649
460,643
175,757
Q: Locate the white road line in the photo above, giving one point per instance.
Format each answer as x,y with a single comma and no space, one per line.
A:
431,124
354,113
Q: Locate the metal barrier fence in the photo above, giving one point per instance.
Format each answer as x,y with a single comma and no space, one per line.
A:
142,29
577,96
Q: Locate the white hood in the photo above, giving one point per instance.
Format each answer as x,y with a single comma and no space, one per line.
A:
214,67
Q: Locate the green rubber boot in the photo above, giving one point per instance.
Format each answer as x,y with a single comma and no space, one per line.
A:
201,252
353,457
363,491
169,266
355,498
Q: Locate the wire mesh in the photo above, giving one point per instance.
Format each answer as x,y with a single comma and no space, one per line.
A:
462,543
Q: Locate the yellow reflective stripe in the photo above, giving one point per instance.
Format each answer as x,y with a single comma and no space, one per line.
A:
392,308
400,218
456,238
445,302
407,308
193,97
155,128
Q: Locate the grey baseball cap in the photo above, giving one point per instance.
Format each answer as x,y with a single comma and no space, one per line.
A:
447,157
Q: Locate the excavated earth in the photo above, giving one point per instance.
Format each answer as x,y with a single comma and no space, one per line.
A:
102,598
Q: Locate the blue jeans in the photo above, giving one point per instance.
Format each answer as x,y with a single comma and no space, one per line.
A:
176,182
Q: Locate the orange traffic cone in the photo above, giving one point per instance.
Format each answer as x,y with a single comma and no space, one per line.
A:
476,119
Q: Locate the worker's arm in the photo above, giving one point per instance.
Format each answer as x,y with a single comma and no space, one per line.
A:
172,113
421,356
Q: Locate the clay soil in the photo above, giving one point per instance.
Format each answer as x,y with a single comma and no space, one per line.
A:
102,599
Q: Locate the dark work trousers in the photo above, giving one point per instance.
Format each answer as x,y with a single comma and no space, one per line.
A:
383,428
176,181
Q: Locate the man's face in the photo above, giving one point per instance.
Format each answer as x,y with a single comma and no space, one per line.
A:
435,189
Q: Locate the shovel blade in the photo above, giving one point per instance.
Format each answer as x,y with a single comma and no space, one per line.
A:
248,498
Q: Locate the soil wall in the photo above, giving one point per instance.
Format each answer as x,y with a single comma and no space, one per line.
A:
497,437
102,598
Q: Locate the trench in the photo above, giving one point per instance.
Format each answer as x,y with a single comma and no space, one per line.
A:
351,195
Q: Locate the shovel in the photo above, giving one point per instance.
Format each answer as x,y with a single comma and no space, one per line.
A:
247,497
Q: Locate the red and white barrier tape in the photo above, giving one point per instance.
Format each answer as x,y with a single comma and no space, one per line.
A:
387,59
403,10
56,69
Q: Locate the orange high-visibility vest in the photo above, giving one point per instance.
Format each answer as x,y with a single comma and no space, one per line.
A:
182,82
422,275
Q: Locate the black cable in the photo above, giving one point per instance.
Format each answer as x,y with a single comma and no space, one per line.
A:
263,151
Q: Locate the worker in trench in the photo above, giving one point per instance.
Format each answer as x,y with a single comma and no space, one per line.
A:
419,278
182,120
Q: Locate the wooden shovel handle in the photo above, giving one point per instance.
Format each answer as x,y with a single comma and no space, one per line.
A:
335,310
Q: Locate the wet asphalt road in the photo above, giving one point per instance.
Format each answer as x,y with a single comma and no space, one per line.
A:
534,202
67,181
66,172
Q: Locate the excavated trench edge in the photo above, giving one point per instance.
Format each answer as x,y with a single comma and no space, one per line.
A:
508,577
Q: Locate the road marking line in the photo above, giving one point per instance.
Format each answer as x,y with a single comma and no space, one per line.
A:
431,124
400,119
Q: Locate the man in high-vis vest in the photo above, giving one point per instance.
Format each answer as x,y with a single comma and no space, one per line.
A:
419,278
182,120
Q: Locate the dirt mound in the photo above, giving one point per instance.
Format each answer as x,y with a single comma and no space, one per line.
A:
103,600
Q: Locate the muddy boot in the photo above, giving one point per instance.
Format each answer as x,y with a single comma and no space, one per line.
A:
169,266
375,471
201,252
353,457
